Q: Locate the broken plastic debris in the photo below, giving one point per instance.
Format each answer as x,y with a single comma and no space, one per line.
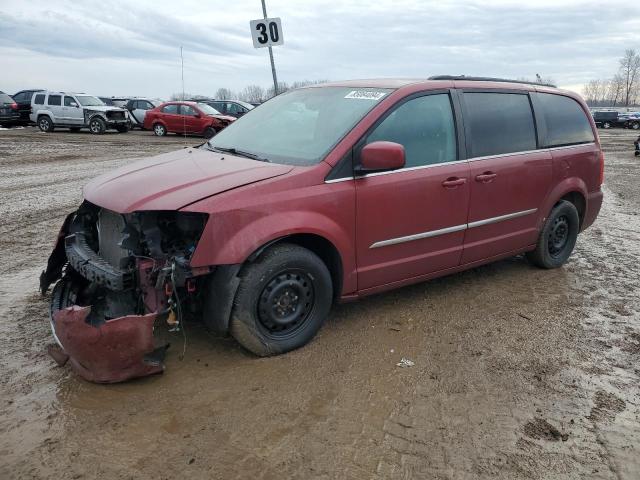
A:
405,362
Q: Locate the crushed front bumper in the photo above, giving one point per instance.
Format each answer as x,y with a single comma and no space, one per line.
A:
120,349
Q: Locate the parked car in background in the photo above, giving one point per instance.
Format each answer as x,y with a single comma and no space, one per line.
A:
137,109
50,110
324,193
234,108
631,120
9,113
186,118
23,99
607,119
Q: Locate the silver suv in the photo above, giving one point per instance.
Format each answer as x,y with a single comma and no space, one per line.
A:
50,110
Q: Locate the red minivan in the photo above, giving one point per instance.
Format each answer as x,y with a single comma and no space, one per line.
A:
192,118
322,194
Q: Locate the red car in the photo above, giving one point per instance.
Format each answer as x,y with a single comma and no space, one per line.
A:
186,118
322,194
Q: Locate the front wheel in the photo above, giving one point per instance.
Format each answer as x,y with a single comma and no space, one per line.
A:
557,238
97,126
209,133
282,300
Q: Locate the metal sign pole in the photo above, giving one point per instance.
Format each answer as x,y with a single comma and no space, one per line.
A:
273,65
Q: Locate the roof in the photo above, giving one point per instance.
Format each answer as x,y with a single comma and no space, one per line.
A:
436,81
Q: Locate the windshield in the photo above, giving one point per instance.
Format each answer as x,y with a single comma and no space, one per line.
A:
299,127
208,109
89,101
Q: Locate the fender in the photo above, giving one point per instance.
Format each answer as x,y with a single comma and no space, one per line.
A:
567,185
215,248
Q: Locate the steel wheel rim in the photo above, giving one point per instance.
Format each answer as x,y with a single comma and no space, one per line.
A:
558,235
286,303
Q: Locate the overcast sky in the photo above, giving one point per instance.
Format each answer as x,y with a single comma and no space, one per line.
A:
111,47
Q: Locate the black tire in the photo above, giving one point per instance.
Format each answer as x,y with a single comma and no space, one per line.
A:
97,126
557,238
635,125
74,129
268,317
45,124
637,153
159,130
122,129
209,132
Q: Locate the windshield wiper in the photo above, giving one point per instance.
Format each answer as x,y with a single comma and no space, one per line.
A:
239,153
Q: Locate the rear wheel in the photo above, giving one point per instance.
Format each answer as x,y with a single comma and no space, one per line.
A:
97,126
557,238
282,301
159,130
45,124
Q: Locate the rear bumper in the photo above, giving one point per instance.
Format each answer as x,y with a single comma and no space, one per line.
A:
9,117
594,203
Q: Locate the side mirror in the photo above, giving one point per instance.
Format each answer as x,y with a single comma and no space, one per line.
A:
74,104
380,156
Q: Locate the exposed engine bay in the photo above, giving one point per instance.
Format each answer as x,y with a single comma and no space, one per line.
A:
120,276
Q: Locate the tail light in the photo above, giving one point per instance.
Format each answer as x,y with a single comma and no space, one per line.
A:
601,180
14,106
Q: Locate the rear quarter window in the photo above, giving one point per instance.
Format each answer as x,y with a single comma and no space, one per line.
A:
566,121
499,123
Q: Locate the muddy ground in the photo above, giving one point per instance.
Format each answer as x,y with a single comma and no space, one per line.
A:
519,372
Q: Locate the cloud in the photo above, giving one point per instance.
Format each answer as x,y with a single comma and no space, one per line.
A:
89,42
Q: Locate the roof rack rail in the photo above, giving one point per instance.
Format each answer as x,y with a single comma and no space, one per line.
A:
488,79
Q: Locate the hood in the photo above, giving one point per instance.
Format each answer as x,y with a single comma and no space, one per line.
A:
174,180
228,118
104,108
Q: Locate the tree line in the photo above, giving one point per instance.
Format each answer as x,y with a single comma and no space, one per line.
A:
621,90
250,93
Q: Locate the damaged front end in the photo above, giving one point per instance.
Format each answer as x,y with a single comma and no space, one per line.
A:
119,276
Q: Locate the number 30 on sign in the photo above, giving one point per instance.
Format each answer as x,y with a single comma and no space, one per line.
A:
266,32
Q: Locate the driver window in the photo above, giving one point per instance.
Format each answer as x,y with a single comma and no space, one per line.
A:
68,101
425,127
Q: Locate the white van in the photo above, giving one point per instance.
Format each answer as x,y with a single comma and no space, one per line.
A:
51,110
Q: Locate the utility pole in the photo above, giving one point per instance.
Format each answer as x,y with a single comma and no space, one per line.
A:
273,65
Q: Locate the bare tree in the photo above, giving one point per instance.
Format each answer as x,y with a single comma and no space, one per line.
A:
282,87
630,73
224,94
252,94
616,90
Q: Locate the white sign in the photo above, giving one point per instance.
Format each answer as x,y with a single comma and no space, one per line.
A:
266,32
365,95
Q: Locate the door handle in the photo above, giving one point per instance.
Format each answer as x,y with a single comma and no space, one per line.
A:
453,182
486,177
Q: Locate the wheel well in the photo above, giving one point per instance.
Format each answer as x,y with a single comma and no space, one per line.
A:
322,247
578,201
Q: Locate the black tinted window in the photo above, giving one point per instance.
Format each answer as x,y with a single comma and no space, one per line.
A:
566,121
425,127
173,108
39,99
499,123
54,100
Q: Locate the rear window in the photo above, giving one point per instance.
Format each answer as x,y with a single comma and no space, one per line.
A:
4,98
567,122
499,123
54,100
39,99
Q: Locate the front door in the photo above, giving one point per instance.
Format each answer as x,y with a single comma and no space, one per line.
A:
73,112
191,123
510,178
411,222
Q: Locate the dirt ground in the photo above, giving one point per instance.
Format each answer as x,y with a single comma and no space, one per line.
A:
519,372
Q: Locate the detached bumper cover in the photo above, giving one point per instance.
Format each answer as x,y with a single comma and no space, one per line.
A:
118,350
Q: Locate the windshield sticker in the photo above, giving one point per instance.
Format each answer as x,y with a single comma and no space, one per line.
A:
365,95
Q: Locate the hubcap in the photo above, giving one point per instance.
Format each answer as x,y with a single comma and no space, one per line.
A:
159,130
286,302
95,127
558,235
44,124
